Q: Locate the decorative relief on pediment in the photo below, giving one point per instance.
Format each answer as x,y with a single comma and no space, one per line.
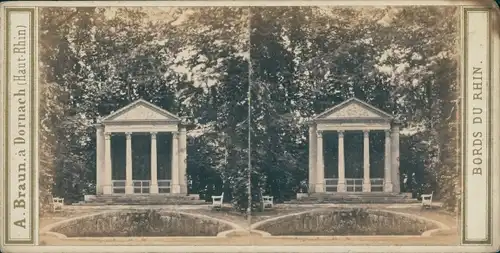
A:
141,112
353,111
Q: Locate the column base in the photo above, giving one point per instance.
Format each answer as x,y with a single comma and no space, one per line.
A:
396,188
129,189
367,187
388,187
107,190
310,188
341,187
184,189
98,190
319,188
175,188
153,189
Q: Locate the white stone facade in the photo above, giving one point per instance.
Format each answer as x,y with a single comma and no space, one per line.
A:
353,115
140,117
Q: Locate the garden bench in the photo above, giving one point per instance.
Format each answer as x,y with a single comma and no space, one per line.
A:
427,200
267,202
57,203
217,201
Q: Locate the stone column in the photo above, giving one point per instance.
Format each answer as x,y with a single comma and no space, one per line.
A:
182,160
153,188
100,174
175,187
129,186
108,188
320,168
341,183
312,159
387,162
395,158
366,161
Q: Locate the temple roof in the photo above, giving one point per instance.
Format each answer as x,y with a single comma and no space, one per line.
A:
353,108
140,110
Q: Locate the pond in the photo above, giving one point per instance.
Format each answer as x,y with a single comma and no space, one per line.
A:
346,221
141,223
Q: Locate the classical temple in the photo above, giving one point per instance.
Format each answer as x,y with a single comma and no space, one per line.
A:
353,116
143,118
146,119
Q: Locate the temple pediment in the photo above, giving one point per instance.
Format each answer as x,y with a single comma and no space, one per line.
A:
353,109
141,110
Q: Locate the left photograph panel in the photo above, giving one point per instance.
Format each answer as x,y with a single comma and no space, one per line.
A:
142,125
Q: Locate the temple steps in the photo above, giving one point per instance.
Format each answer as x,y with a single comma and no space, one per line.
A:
147,199
354,198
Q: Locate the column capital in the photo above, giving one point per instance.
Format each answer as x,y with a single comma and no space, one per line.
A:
366,133
128,135
387,132
341,133
107,135
396,123
319,133
175,134
153,135
182,129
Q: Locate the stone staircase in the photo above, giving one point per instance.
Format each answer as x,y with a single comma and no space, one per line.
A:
146,199
355,198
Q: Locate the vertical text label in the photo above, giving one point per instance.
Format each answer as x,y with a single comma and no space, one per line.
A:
477,145
19,122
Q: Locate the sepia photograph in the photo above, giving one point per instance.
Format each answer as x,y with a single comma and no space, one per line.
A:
249,125
353,127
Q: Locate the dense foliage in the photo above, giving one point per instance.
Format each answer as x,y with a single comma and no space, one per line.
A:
198,63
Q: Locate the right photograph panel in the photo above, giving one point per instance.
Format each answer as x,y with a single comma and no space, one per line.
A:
355,126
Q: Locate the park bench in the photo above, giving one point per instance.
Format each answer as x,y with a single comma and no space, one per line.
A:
217,201
267,202
57,203
427,200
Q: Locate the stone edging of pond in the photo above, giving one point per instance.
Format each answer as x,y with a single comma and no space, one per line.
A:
244,231
441,226
47,229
